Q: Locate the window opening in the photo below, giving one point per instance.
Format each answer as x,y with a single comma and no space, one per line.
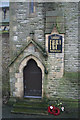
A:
32,6
4,10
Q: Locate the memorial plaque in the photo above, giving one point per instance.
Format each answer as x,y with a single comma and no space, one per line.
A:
55,43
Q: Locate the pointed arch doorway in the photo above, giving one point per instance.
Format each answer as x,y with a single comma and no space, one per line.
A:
32,77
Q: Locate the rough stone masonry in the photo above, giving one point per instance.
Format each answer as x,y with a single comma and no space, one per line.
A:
29,40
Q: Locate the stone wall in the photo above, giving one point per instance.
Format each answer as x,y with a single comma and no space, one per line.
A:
17,66
22,23
70,14
79,46
55,66
71,36
5,53
64,87
5,62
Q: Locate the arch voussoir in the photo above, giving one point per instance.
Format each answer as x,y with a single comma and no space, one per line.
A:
19,76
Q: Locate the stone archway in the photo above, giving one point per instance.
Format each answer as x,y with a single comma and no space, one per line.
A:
19,92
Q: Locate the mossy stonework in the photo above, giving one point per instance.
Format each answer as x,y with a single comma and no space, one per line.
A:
29,39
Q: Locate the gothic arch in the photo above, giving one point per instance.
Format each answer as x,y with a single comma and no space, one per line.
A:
19,92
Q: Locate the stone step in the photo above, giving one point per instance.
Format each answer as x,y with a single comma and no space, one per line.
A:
29,111
31,100
30,106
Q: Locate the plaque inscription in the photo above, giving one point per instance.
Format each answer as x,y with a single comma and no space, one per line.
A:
55,44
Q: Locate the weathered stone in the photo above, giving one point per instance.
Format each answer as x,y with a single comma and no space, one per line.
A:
22,23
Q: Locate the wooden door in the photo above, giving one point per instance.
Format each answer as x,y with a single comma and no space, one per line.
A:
32,79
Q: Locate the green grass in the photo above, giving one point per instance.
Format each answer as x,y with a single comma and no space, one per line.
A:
70,105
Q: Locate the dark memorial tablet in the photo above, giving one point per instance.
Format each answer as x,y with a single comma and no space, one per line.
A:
55,43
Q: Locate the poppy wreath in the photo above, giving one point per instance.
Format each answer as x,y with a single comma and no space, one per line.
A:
53,110
56,111
50,109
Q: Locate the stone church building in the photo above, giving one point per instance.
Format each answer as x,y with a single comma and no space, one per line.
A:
40,49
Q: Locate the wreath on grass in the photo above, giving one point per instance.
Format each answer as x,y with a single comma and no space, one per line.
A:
53,110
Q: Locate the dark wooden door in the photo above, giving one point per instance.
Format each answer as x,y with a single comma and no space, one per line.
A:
32,79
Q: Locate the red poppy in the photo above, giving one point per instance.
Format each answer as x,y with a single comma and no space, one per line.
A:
53,110
56,111
50,109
